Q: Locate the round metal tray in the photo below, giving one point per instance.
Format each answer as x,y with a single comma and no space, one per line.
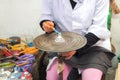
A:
72,41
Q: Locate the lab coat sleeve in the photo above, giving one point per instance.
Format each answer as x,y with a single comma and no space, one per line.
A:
46,10
99,25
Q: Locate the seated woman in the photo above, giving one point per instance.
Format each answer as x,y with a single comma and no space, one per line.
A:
85,17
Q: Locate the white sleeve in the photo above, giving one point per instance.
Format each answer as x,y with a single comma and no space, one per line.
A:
46,10
99,26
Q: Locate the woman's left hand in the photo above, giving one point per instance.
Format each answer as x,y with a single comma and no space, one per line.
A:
68,55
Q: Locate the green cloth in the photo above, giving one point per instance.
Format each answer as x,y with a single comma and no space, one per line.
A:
119,57
109,18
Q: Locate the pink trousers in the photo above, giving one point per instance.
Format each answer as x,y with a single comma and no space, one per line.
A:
87,74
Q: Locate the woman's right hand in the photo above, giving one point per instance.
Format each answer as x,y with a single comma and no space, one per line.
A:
48,26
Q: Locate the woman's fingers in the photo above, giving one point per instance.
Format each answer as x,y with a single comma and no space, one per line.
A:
48,26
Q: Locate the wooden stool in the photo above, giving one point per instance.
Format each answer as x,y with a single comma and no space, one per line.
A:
103,77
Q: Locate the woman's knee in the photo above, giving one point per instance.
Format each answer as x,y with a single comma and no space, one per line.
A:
92,74
52,71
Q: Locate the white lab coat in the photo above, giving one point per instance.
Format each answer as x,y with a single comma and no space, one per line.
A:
87,16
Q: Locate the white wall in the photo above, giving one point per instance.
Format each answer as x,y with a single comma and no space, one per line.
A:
115,30
115,33
20,17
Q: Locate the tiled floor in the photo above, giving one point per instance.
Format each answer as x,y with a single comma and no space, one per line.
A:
110,74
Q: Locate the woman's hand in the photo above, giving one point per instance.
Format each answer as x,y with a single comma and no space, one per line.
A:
48,26
68,55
